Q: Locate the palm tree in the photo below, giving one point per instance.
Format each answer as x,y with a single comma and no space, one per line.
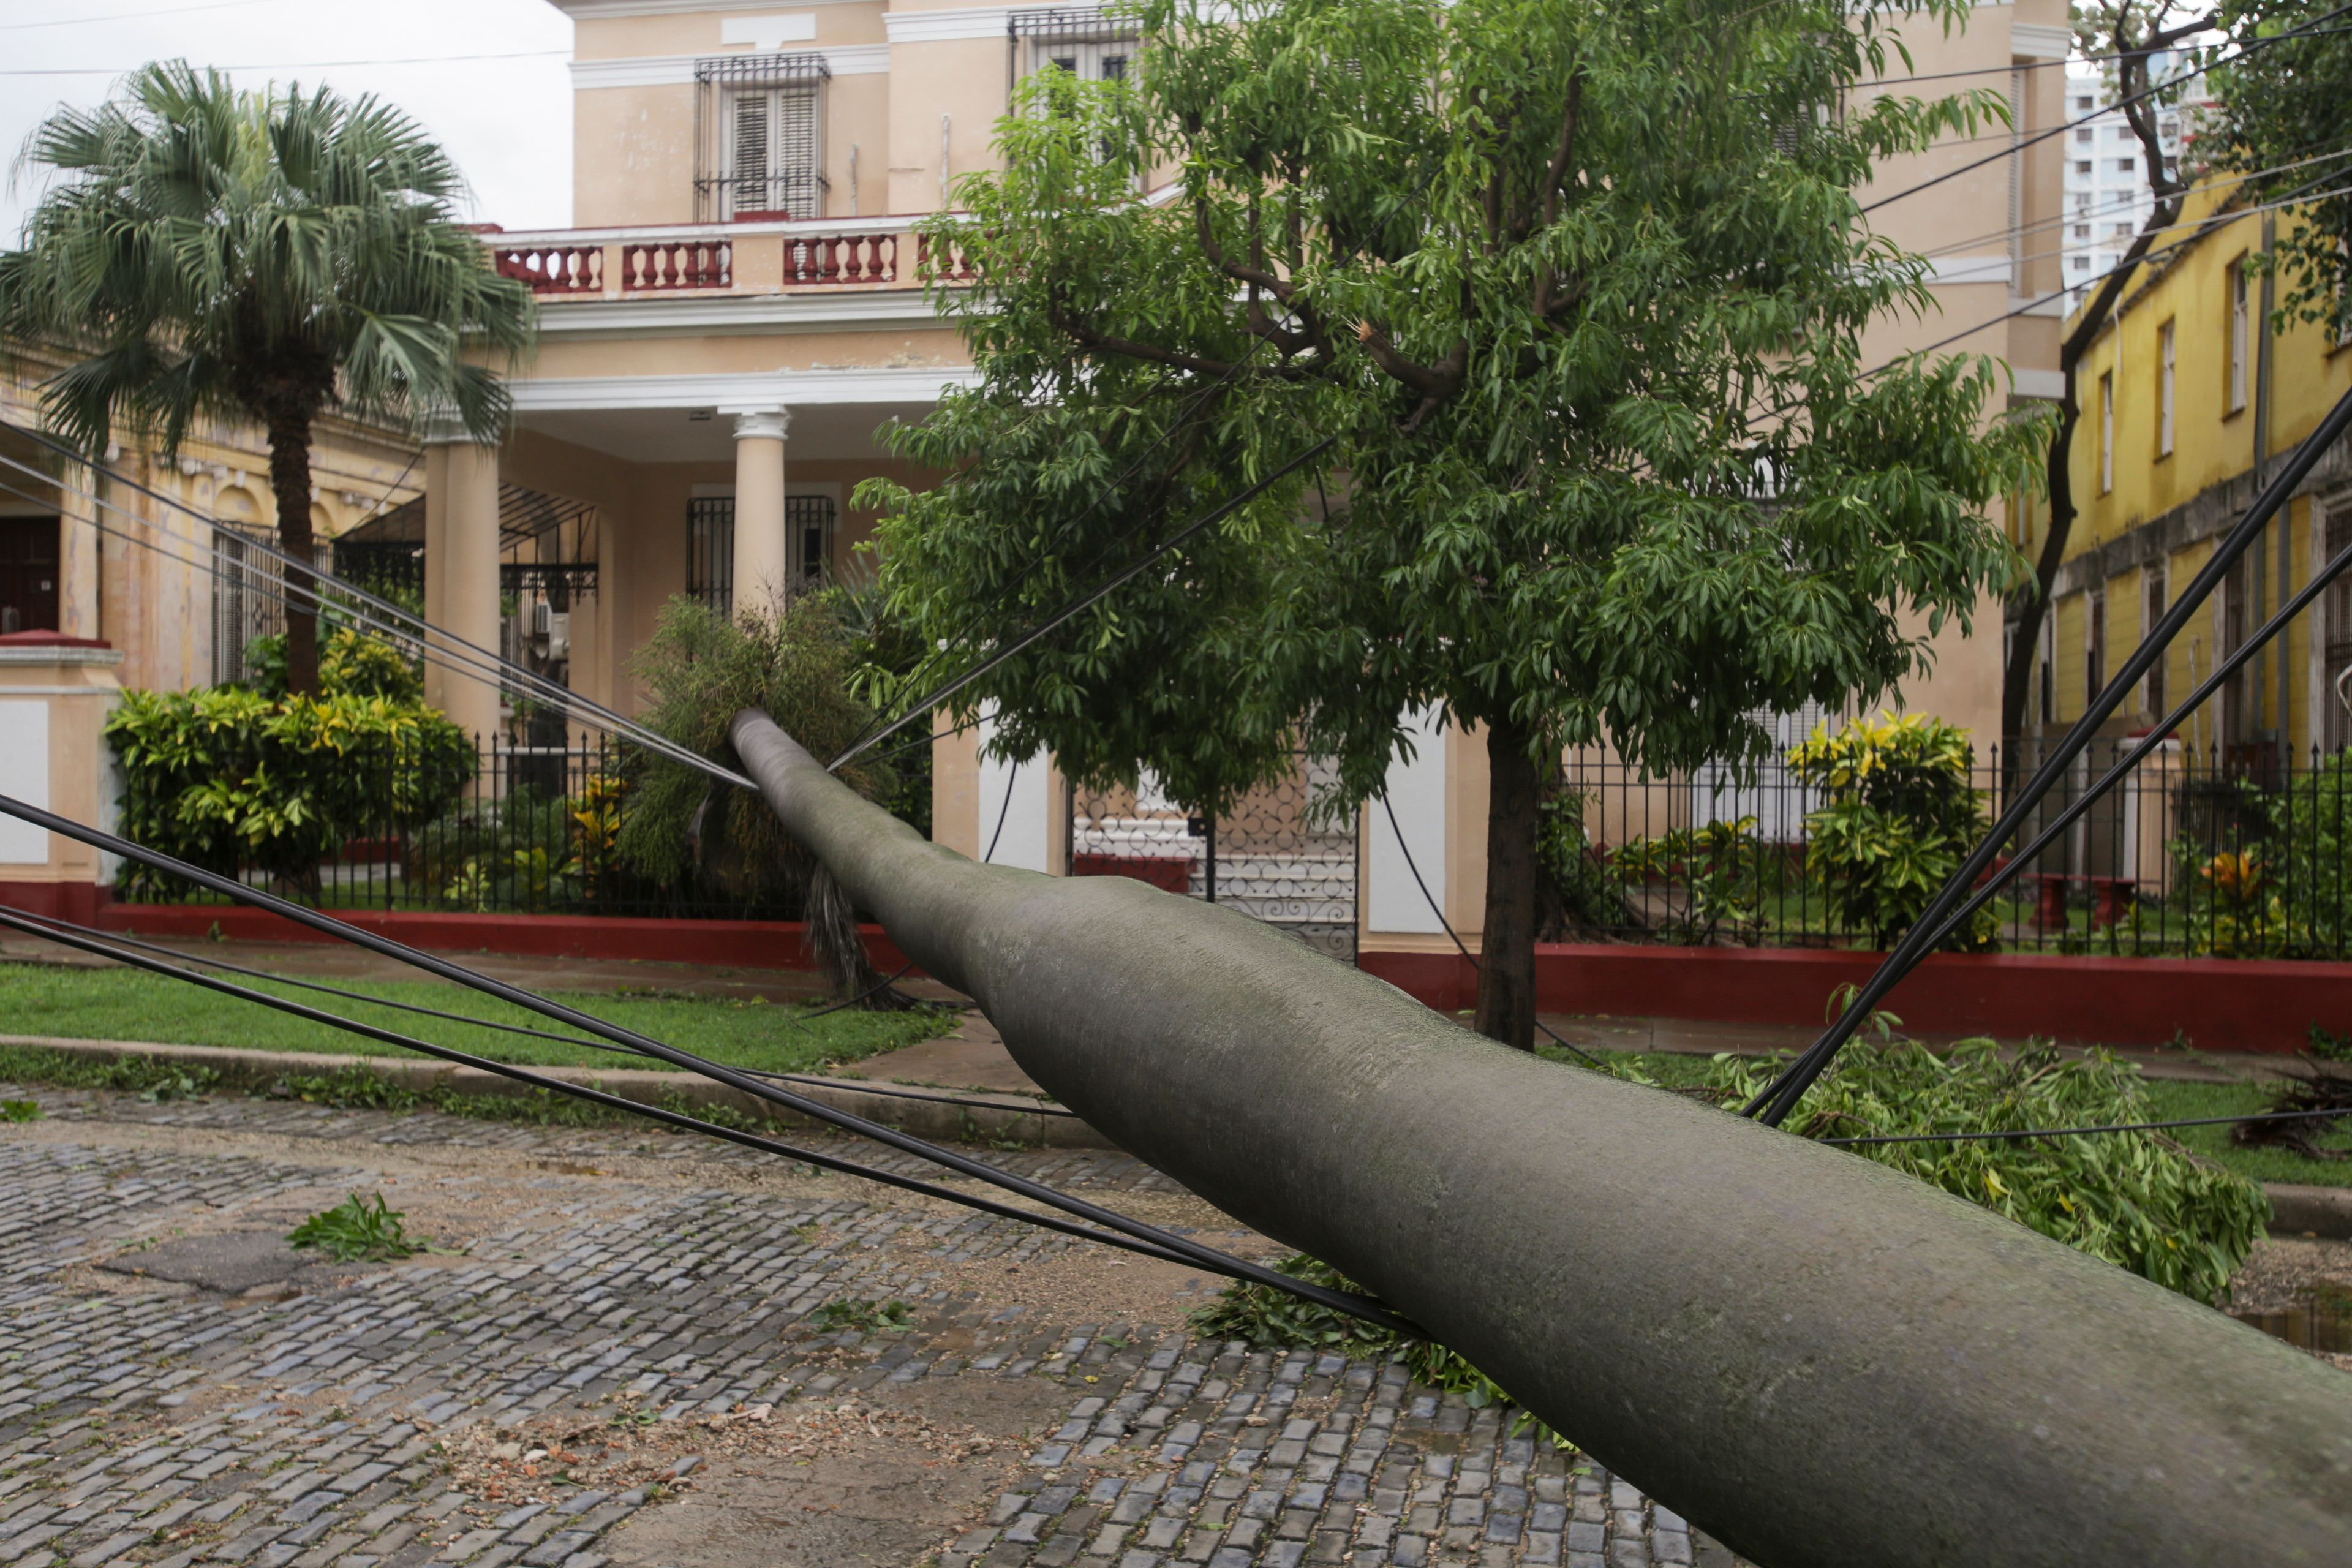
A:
271,256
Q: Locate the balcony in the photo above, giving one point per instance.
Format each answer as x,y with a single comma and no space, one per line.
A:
708,259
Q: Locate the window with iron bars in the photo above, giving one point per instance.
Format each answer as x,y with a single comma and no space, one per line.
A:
809,523
1086,41
760,137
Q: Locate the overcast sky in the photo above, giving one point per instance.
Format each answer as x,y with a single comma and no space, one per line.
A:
507,121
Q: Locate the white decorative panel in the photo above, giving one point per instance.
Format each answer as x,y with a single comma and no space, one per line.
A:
1016,795
25,774
1416,793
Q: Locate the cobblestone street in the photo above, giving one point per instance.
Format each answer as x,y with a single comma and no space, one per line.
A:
646,1350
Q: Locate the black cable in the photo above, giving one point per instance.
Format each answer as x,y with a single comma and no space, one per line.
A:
2157,733
2016,149
860,1086
1085,600
486,666
1439,911
816,1109
16,920
1037,563
1780,1096
2084,1132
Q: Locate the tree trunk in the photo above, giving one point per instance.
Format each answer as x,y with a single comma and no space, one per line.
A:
1506,959
289,478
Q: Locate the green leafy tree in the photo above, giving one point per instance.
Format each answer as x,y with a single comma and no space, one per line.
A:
1576,292
274,256
2278,108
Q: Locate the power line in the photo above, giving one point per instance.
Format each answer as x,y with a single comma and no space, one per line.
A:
1775,1102
2018,147
129,16
1438,910
2085,1131
816,1109
293,65
17,921
1085,600
206,960
480,663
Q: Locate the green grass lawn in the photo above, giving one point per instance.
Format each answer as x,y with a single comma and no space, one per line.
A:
2168,1100
125,1005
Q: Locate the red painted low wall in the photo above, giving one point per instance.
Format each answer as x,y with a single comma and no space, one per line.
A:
2221,1005
75,901
738,944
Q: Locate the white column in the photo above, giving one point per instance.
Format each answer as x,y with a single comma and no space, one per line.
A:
762,559
461,572
1417,794
1016,808
80,578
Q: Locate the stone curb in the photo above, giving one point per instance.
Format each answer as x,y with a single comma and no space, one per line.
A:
2325,1212
992,1118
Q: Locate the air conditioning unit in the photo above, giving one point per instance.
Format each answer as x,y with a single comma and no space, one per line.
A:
558,633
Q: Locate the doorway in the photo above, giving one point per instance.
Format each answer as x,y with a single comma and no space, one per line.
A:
28,575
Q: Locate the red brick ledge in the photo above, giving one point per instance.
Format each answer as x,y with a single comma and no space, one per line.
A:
2221,1004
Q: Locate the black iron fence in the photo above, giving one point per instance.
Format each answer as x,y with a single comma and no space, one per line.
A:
539,832
2236,853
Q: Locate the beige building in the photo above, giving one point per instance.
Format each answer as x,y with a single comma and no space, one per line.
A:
737,312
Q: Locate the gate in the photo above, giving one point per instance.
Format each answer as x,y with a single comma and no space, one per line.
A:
1275,857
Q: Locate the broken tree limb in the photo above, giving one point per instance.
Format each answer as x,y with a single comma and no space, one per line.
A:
1814,1358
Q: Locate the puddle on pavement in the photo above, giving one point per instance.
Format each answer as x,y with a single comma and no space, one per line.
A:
2325,1324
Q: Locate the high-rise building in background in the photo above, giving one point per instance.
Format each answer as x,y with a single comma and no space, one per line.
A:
2108,198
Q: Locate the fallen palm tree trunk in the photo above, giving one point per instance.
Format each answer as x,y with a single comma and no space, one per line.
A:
1816,1359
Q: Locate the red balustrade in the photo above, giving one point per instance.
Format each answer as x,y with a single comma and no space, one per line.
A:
554,269
840,258
947,262
664,264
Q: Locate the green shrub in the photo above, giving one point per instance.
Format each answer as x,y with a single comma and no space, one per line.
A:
351,664
2138,1199
1902,815
228,777
1580,894
1720,867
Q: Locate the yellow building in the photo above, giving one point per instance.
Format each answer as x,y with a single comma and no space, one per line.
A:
2188,399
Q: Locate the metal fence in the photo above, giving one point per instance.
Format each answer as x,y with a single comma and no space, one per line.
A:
1276,856
2230,853
538,833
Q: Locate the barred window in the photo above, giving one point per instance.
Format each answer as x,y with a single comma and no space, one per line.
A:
809,528
1083,40
760,137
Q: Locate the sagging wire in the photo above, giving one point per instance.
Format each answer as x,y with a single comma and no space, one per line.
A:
17,921
2157,733
2023,1132
2017,147
1777,1099
427,650
1435,909
1084,602
1183,1248
1199,400
456,653
896,1092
